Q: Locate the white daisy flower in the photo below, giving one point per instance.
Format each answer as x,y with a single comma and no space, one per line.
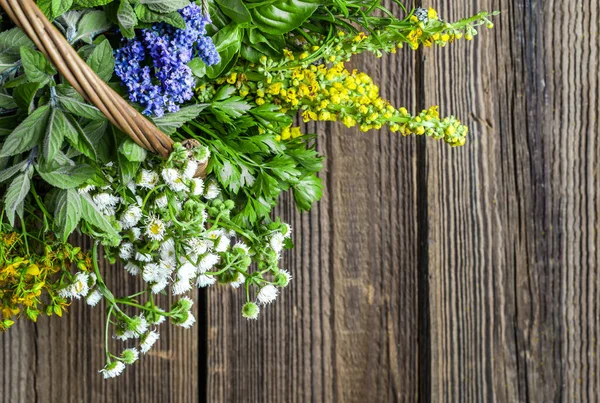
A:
267,294
151,272
189,322
240,279
159,286
197,246
186,271
288,231
241,247
155,228
139,324
276,242
173,180
126,251
205,281
131,217
166,268
181,287
132,268
143,257
167,249
207,262
136,233
161,202
130,355
197,186
80,286
93,298
113,369
147,179
106,201
148,341
222,243
212,191
65,293
86,189
250,310
189,171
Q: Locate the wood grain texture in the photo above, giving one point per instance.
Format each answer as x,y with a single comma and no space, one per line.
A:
426,273
513,216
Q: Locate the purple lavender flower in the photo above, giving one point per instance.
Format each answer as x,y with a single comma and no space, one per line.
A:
163,81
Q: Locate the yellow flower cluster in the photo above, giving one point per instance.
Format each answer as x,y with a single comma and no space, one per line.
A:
29,282
332,93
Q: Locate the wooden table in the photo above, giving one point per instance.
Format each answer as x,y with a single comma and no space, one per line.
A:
426,273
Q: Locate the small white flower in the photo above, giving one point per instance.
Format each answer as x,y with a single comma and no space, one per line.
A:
189,171
158,319
189,322
197,186
212,191
186,271
197,246
113,369
173,180
143,257
222,243
147,179
267,294
276,241
288,232
287,275
136,233
126,251
148,341
159,286
106,201
141,326
161,202
240,279
86,189
156,228
167,249
131,186
80,286
207,262
166,268
205,281
65,293
130,355
151,272
131,217
181,287
132,268
242,248
93,298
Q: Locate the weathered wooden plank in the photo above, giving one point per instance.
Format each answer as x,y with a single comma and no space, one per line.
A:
513,250
346,329
58,359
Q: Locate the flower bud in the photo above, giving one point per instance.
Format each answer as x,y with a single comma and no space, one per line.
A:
250,310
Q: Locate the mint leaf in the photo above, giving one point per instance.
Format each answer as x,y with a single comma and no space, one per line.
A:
127,19
68,176
37,68
102,60
91,24
12,40
144,14
24,95
79,139
81,109
94,217
8,173
59,7
165,6
67,213
28,134
15,195
55,134
132,151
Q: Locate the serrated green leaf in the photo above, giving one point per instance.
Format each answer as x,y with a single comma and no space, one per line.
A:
79,140
127,19
55,134
132,151
28,134
7,102
59,7
12,40
92,3
37,68
282,16
24,95
236,10
308,191
170,122
67,212
165,6
144,14
91,24
68,177
8,173
81,109
15,195
94,217
102,60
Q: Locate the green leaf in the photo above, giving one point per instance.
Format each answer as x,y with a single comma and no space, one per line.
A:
279,17
28,134
233,107
228,42
8,173
144,14
94,217
79,140
15,195
127,19
67,212
12,40
68,176
269,113
81,109
165,6
236,10
24,95
91,24
132,151
92,3
102,60
37,68
170,122
308,191
7,102
55,134
59,7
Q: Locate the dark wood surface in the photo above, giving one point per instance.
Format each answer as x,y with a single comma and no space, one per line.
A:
426,273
